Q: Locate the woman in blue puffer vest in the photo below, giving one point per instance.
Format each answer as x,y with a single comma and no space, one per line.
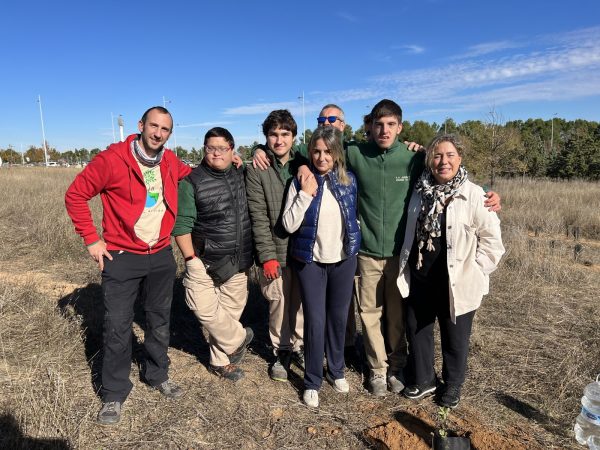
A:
320,211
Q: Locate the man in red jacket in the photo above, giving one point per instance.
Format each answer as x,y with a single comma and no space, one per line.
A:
137,182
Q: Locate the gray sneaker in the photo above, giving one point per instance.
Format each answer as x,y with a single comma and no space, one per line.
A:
377,385
109,414
395,383
280,369
169,390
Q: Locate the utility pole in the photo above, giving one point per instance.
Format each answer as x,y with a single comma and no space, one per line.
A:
43,131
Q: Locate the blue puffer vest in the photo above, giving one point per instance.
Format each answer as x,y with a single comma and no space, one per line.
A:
303,240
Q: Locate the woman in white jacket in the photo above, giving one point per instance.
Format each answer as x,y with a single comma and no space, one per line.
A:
452,244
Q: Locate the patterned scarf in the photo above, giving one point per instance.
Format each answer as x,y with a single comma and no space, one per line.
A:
143,158
434,198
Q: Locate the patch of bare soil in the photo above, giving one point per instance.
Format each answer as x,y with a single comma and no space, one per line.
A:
413,430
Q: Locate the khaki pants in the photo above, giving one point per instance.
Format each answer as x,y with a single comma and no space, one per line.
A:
286,320
381,309
217,308
350,337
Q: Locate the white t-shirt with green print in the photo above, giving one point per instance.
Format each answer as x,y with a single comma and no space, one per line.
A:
147,227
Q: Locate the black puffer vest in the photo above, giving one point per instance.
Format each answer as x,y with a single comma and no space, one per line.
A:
221,210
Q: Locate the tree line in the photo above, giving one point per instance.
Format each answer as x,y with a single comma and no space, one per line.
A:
534,147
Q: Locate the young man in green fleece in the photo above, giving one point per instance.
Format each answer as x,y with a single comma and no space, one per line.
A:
266,191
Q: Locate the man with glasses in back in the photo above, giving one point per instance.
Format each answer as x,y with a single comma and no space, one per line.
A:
137,181
214,235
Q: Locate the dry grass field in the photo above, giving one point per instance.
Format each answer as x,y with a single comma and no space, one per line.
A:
535,345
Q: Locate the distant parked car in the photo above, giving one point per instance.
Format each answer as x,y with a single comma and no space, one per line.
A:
52,164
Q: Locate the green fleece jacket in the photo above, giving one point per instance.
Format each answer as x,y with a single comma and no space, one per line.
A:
385,182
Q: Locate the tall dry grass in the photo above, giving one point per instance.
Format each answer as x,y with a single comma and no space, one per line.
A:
552,207
536,339
34,220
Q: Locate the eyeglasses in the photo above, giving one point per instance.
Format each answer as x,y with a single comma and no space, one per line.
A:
213,150
331,119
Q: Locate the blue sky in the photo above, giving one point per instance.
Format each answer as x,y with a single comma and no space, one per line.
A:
229,63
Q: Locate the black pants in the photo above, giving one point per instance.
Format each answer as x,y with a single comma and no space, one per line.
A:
429,300
123,279
326,295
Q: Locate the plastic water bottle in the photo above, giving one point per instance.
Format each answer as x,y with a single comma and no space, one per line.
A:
587,424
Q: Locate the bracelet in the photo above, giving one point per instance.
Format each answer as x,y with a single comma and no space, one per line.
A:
189,258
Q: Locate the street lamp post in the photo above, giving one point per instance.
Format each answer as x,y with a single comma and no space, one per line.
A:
165,101
303,120
43,131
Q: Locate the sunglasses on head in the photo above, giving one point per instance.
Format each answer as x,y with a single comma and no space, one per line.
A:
330,119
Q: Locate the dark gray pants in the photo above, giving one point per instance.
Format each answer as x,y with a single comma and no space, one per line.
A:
123,279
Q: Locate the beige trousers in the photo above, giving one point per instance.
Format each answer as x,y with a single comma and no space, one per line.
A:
217,308
286,320
381,310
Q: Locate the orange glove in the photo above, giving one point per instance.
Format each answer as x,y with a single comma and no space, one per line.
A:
271,269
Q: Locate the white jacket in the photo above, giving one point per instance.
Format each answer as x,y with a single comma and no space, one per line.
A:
474,247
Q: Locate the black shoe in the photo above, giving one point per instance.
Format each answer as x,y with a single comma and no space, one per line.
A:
229,372
169,390
237,356
417,391
450,396
298,358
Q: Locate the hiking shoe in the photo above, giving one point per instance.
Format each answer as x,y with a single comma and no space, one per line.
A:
109,414
450,396
417,391
395,383
377,385
340,385
229,372
311,398
169,389
281,367
298,358
237,356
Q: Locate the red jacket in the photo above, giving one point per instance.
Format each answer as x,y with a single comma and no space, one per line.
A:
116,176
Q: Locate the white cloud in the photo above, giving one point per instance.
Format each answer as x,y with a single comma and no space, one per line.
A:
487,48
347,16
409,48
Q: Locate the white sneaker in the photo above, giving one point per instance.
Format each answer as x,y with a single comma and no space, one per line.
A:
340,385
311,398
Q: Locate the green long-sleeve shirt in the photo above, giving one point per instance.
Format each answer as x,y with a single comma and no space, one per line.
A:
186,209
